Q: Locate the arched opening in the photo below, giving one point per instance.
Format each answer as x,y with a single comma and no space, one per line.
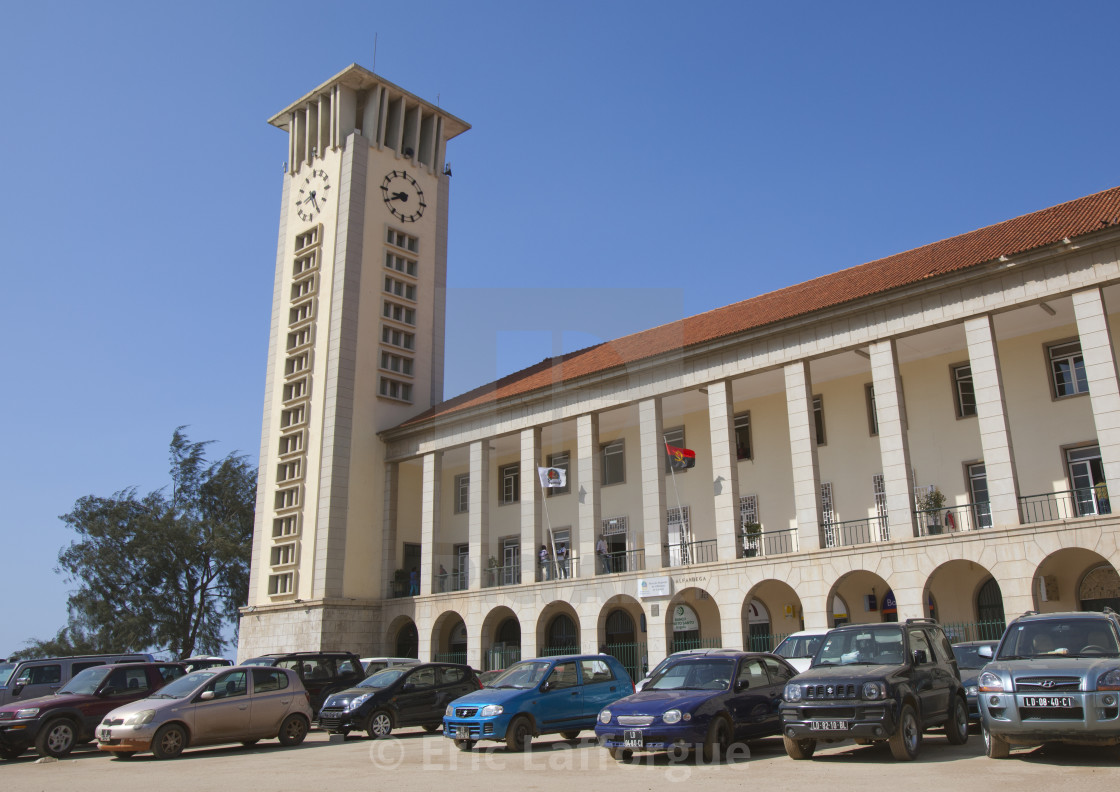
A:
561,636
692,621
771,611
449,639
1100,589
505,650
758,633
622,633
408,641
1075,578
991,620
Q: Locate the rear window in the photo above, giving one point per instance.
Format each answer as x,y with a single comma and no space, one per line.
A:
453,675
267,679
596,671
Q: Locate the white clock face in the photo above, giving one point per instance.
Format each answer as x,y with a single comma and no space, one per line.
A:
403,196
313,190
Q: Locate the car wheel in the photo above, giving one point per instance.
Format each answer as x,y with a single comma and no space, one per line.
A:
620,754
431,728
293,729
169,741
908,737
569,735
518,735
717,741
799,749
994,747
57,738
464,745
380,724
956,728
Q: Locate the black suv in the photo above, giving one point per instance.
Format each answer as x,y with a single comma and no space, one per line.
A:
414,695
322,673
875,683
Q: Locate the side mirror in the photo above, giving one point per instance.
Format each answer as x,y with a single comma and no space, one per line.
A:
206,695
108,690
20,683
743,685
407,686
985,651
920,657
545,687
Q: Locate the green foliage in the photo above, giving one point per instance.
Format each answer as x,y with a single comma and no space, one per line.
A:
166,570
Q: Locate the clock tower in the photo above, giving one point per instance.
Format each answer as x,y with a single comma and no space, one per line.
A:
356,346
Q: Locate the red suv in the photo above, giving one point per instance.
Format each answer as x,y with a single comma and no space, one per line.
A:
54,724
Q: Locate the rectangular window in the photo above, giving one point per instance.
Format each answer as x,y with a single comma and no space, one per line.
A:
303,312
561,460
283,554
285,526
395,389
462,493
402,240
399,313
299,338
614,462
281,584
400,264
818,419
308,238
674,437
399,288
963,394
828,516
509,481
398,338
293,416
296,389
305,263
303,288
872,415
287,498
396,363
743,448
297,364
287,471
1067,369
978,491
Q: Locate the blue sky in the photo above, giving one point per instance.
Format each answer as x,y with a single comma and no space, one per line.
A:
630,163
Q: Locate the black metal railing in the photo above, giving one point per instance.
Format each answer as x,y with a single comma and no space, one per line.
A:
950,519
686,553
855,532
1065,505
767,543
559,569
621,561
506,575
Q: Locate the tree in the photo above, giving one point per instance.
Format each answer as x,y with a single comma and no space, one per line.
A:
164,571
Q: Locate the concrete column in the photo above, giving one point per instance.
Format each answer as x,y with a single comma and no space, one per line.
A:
656,645
725,469
803,452
652,450
478,521
529,633
429,518
1100,371
532,537
816,610
991,413
389,528
894,449
586,487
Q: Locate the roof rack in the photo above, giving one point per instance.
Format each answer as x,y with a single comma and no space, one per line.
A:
922,620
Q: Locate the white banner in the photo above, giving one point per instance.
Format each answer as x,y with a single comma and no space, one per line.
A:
553,477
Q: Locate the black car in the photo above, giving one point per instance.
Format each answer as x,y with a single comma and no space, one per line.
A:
969,662
876,683
398,696
322,673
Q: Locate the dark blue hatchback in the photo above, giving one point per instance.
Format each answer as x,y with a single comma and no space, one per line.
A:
702,703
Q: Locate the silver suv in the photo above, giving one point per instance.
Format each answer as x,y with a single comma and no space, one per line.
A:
1054,678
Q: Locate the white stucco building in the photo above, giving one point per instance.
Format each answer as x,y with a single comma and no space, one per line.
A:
925,434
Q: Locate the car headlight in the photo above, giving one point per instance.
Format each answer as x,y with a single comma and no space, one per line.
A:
605,716
874,691
792,693
988,682
970,690
140,718
672,716
1110,680
357,701
490,710
450,711
29,712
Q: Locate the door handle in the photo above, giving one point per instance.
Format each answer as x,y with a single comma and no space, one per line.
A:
575,692
614,688
243,706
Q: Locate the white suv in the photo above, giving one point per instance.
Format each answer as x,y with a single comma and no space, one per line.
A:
799,648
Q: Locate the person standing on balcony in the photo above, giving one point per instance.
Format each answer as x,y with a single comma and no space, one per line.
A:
603,553
414,582
562,561
544,562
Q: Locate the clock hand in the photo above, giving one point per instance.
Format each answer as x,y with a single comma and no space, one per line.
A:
314,202
399,196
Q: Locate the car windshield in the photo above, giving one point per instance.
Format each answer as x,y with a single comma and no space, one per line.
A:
6,670
968,655
799,646
868,646
185,685
383,678
708,674
522,675
1059,638
85,682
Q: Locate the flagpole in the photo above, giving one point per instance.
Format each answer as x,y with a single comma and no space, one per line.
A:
547,521
680,509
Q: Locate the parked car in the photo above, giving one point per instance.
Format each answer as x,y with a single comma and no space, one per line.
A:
1054,678
321,673
969,663
487,677
371,665
216,705
799,648
199,662
540,696
876,683
33,678
54,724
674,657
704,703
402,695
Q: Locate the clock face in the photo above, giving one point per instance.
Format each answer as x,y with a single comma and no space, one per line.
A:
403,196
312,194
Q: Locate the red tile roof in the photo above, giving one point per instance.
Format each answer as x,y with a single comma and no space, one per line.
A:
1009,238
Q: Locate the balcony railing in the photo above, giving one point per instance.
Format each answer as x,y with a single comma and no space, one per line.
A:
686,553
767,543
497,576
950,519
855,532
621,561
559,569
1062,505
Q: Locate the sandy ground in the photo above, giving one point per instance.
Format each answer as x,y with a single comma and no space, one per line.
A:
411,761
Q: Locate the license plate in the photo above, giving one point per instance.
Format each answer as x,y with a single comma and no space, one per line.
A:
823,725
462,732
1048,701
105,735
632,738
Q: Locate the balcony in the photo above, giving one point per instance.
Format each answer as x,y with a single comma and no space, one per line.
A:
622,561
1065,505
855,532
951,519
688,553
766,543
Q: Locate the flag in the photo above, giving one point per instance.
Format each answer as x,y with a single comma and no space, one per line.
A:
553,477
680,458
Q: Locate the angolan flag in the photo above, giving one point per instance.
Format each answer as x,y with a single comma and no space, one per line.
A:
680,458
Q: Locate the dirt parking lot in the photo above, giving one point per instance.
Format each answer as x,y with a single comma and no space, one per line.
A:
411,761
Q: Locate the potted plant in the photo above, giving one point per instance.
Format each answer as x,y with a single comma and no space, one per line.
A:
930,503
752,539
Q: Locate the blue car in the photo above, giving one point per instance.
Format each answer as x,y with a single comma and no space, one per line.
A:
546,695
702,703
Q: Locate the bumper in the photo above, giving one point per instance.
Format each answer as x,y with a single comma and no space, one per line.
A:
18,736
475,729
336,720
124,738
651,738
1093,720
876,720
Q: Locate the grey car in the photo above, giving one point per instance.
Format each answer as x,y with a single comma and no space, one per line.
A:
1054,678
